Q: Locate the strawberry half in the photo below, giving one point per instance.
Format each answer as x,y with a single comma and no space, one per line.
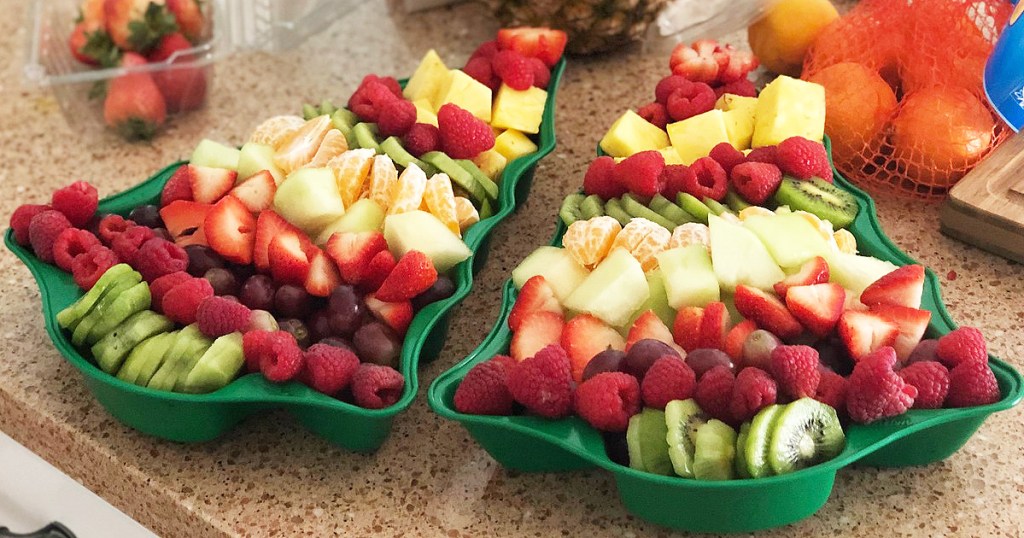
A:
231,230
183,217
289,259
536,331
398,315
257,192
714,326
413,274
583,337
767,311
865,332
211,184
912,323
649,325
268,226
322,276
902,287
535,295
737,336
817,306
545,44
353,251
813,271
686,327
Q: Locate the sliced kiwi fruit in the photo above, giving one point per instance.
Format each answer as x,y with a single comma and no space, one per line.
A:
571,211
714,206
714,451
741,451
758,441
806,432
645,439
70,316
820,198
683,418
735,202
486,209
366,136
658,202
592,206
460,176
693,206
309,111
637,209
613,208
111,350
490,187
392,147
344,120
675,214
327,107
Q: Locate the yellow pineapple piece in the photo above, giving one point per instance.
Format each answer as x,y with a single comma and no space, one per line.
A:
739,113
425,112
350,171
491,163
334,144
440,201
519,110
428,78
513,144
466,212
671,155
466,92
407,194
632,134
383,176
299,148
694,137
789,107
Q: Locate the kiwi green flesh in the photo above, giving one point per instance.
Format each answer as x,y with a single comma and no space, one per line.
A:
658,202
741,451
645,441
675,214
759,440
693,206
715,206
571,211
683,417
735,202
613,208
819,198
637,209
592,206
806,432
714,451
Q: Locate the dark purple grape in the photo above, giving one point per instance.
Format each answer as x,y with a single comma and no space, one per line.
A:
377,343
443,288
924,351
222,280
642,355
162,233
147,215
94,223
616,447
757,348
338,342
702,360
319,324
291,301
297,329
346,309
609,360
832,354
258,292
201,259
242,272
261,320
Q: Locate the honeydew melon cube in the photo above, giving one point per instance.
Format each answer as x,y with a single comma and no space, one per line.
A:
689,276
419,230
215,155
425,112
309,199
657,301
255,157
522,110
363,216
491,163
739,257
855,272
789,107
694,137
428,78
613,291
466,92
632,134
513,144
789,238
556,265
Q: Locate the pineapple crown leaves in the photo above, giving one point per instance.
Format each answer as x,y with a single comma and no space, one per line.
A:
157,22
101,48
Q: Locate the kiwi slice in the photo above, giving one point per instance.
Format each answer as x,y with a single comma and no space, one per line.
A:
343,120
119,342
658,202
741,451
819,198
571,211
392,147
683,418
613,208
70,316
714,451
490,187
486,209
461,178
693,206
714,206
366,136
645,440
637,209
309,111
806,432
592,206
735,202
664,207
327,107
758,441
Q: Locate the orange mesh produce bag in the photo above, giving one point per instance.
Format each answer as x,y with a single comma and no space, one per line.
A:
906,111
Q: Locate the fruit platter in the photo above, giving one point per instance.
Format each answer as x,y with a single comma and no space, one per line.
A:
312,268
719,320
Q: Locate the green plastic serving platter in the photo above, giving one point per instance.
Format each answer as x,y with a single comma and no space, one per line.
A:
919,437
196,418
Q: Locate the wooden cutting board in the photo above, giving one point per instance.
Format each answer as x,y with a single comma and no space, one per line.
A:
986,208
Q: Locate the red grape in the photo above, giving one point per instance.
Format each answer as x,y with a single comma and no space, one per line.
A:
702,360
291,301
201,259
609,360
222,280
297,329
642,355
757,349
147,215
258,292
443,288
347,310
319,324
261,320
377,343
924,351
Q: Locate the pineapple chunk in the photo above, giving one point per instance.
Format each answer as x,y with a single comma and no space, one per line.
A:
513,144
694,137
425,112
632,134
739,118
430,75
789,107
466,92
671,155
730,101
520,110
491,163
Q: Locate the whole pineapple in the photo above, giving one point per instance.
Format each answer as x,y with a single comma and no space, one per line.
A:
592,25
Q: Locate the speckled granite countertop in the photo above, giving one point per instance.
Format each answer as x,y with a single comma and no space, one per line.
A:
269,477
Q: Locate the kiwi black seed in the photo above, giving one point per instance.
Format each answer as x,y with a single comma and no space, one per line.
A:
819,198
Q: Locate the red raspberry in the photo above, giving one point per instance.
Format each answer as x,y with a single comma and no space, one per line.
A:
480,69
43,230
600,179
21,218
160,286
754,390
803,159
667,379
931,379
89,267
796,370
422,138
69,244
706,179
128,242
112,226
513,69
218,316
764,154
280,358
607,400
874,391
741,87
541,73
391,83
965,344
463,135
487,50
178,186
755,181
675,178
484,390
182,301
396,117
329,369
543,383
668,85
376,387
688,101
831,390
368,100
253,343
972,383
641,172
158,257
714,393
727,156
78,202
655,113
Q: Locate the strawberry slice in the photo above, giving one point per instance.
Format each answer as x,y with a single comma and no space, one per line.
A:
813,271
738,65
398,315
198,237
413,274
322,276
211,184
737,336
697,62
183,217
767,311
380,267
545,44
231,230
649,325
535,295
268,226
257,192
817,306
902,287
865,332
686,327
352,251
714,326
912,323
583,337
178,186
536,331
289,259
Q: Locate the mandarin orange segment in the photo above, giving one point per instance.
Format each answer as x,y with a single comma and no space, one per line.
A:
407,194
466,213
351,169
299,148
824,227
644,240
845,241
691,233
334,144
755,210
275,130
440,200
383,177
589,241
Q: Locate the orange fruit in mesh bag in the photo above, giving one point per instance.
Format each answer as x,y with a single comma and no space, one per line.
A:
781,37
275,130
440,201
466,212
334,144
644,240
299,147
694,233
350,171
858,106
383,176
589,241
407,194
